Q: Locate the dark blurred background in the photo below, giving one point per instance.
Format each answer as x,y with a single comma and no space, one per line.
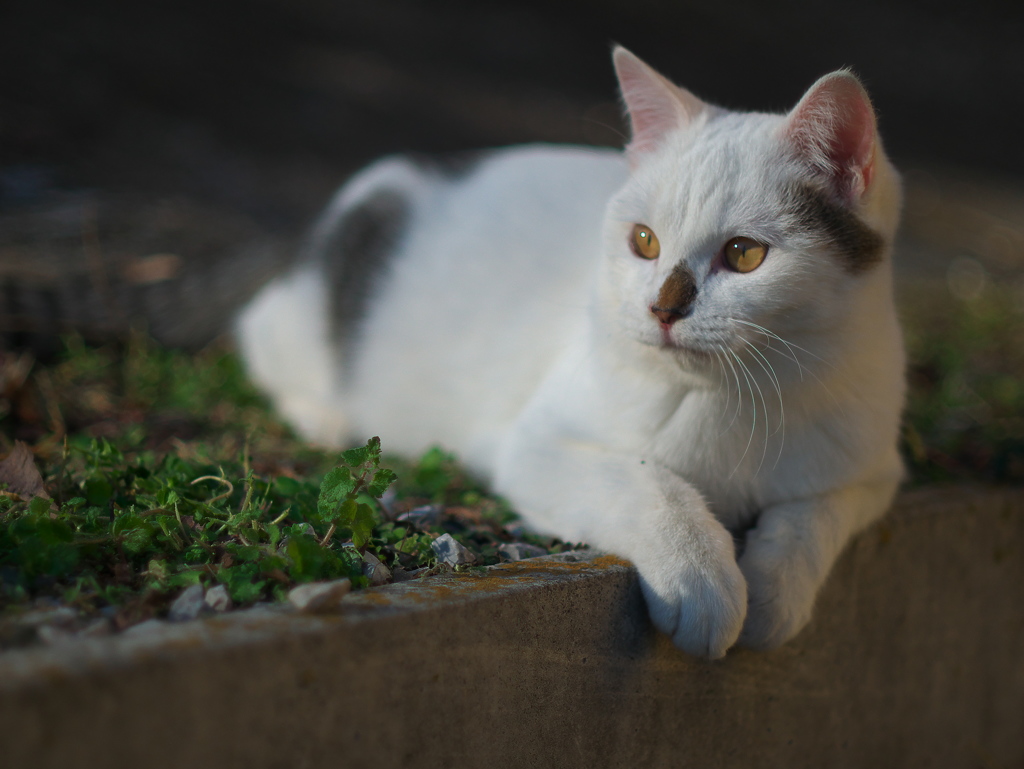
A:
263,105
159,160
146,145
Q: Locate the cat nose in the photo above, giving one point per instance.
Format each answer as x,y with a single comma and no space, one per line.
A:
669,315
676,297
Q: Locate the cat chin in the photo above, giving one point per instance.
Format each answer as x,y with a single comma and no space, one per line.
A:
687,356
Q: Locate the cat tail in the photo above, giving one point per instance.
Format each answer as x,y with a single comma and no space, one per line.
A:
105,267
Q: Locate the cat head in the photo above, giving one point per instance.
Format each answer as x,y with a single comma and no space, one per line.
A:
734,221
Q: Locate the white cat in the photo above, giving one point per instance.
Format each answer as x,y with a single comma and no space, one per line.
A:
643,351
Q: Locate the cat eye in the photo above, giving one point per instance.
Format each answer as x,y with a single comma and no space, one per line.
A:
745,254
644,242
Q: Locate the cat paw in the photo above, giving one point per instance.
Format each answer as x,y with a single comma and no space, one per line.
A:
779,604
700,606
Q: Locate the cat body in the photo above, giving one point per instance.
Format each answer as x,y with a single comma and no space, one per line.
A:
581,327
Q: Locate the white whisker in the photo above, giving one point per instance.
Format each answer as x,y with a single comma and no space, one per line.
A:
772,335
753,405
724,379
764,410
770,371
739,397
793,356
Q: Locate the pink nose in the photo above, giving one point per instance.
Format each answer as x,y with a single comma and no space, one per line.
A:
669,315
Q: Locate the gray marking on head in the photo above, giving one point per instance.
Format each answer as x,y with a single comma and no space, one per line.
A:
859,246
356,254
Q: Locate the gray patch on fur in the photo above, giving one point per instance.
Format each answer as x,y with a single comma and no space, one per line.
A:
858,245
356,255
451,166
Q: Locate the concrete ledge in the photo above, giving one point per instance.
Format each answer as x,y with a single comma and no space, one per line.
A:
915,658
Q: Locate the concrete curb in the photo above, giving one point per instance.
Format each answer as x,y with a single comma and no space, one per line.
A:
915,658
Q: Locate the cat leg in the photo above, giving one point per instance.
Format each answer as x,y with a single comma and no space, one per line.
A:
792,549
685,557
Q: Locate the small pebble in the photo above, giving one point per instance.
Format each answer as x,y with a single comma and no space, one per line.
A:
449,551
387,503
401,575
517,530
97,628
188,605
517,551
61,616
316,597
146,628
218,598
375,571
422,517
52,634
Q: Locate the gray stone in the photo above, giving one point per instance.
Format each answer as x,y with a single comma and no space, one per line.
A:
97,628
149,627
422,517
401,575
53,634
375,571
187,605
517,551
449,551
387,502
218,598
61,616
319,597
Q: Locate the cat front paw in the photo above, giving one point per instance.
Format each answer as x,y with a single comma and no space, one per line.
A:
780,601
700,603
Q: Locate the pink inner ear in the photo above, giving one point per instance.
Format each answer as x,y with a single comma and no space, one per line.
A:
833,127
654,104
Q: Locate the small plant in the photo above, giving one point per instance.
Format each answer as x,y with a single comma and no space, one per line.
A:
162,470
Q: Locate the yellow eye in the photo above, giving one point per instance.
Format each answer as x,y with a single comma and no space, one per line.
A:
644,242
745,254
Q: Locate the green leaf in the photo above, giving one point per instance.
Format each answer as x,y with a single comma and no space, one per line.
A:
309,561
39,505
362,525
363,454
274,531
98,491
286,487
337,485
382,479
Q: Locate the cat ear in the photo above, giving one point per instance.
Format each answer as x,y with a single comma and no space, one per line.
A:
654,104
833,128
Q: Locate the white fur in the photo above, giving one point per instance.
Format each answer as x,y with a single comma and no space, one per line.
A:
514,327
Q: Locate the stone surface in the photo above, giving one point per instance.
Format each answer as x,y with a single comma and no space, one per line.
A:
449,551
317,597
188,605
218,598
914,658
